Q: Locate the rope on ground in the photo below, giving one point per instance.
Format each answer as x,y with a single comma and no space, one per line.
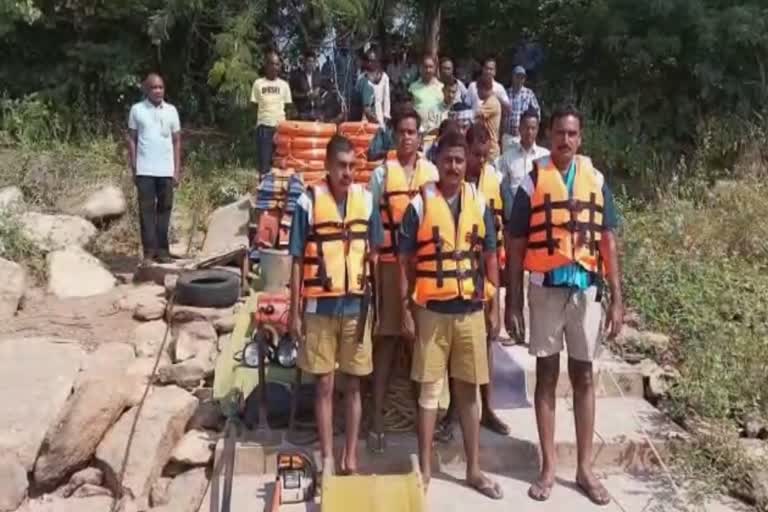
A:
400,403
647,438
140,406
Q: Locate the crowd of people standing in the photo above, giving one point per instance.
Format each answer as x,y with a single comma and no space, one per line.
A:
432,89
465,203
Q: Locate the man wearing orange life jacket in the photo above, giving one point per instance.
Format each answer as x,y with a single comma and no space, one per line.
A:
562,230
448,270
392,186
487,180
334,225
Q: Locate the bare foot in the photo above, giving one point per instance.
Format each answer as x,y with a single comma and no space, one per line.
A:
348,465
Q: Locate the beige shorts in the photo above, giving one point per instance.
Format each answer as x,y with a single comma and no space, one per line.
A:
330,340
388,315
562,315
455,340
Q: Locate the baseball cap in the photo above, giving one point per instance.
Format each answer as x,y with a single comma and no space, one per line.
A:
519,70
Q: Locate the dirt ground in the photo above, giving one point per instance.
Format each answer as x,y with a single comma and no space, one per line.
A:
91,320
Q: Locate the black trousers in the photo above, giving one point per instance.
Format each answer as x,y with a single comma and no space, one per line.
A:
155,205
265,147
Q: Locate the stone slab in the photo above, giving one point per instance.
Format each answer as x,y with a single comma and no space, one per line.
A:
631,493
36,377
613,377
621,427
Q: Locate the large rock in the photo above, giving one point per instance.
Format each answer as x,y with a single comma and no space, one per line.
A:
133,296
159,428
755,425
90,490
644,341
192,339
208,416
107,360
159,493
756,453
148,338
182,314
88,476
142,367
13,483
13,284
187,374
53,232
107,202
36,378
72,272
90,412
227,228
11,198
226,324
186,492
52,503
151,310
659,379
195,448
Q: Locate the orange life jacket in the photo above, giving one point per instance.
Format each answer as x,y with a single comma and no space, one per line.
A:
450,256
565,229
396,194
490,185
336,249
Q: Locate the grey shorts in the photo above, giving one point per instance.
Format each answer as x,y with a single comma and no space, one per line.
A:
565,316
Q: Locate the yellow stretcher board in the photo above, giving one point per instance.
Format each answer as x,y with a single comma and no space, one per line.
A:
375,493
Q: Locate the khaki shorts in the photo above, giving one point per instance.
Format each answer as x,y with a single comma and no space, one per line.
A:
458,340
388,316
330,340
563,315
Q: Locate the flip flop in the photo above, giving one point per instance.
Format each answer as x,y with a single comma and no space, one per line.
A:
494,424
444,432
488,488
376,442
597,494
540,491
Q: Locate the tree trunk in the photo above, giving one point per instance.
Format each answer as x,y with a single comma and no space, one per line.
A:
433,11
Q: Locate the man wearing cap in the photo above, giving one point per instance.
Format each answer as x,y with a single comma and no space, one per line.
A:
521,99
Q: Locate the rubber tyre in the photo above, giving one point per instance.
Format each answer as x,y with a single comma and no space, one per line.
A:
208,288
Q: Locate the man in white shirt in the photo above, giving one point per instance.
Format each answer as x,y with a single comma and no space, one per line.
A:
270,94
517,161
154,156
489,73
381,89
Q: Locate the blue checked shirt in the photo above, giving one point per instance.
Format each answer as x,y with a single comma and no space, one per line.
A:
518,103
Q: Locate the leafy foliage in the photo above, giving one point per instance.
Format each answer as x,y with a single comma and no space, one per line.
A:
697,269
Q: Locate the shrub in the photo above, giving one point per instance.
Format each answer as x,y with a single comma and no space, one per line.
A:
698,271
15,246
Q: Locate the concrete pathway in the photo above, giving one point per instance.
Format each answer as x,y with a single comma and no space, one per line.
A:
448,494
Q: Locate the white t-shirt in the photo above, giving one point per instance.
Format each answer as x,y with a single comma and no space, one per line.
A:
473,99
271,96
381,100
155,127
